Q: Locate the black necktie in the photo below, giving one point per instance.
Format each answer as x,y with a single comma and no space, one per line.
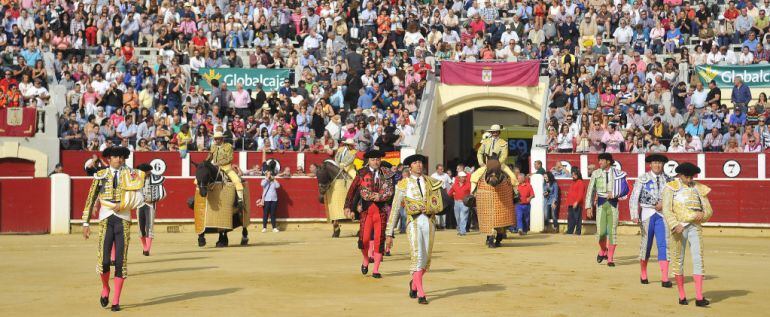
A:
115,180
419,186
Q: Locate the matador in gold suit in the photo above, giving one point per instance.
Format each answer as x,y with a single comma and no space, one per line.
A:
492,147
686,207
118,191
221,155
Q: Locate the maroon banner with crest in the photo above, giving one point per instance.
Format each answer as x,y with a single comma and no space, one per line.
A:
491,74
20,122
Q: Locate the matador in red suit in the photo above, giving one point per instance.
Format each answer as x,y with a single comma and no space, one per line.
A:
372,189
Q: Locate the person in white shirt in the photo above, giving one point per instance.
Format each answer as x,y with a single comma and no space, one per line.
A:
197,62
699,96
746,57
508,35
694,145
623,34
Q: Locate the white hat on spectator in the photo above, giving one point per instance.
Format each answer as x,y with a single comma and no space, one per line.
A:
349,142
218,134
337,18
461,174
265,106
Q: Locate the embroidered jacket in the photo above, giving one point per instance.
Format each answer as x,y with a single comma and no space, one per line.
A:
371,189
221,154
104,187
646,193
492,146
423,199
682,203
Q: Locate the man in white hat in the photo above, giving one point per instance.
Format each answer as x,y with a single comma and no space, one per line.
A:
491,147
345,156
221,155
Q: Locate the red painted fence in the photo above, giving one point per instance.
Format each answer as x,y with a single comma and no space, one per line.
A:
25,205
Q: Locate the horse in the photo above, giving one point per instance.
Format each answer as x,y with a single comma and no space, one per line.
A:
493,200
206,175
333,184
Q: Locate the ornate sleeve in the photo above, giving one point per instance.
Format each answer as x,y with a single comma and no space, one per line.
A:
93,194
398,196
589,199
350,197
633,202
668,208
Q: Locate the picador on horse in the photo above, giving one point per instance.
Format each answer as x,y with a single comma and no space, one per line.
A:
334,179
492,188
221,198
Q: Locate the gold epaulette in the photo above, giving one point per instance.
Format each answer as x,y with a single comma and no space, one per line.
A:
102,173
402,184
674,185
703,190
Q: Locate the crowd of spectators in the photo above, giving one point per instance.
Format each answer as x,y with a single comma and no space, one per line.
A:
617,84
361,67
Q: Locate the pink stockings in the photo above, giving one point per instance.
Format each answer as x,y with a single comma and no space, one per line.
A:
417,282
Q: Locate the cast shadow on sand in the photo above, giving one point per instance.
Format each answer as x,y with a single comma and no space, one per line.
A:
464,290
172,260
176,270
407,272
184,296
718,296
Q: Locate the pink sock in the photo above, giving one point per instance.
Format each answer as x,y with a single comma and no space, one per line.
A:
105,284
663,270
644,269
602,247
144,243
611,256
698,286
118,287
377,261
148,240
680,286
418,283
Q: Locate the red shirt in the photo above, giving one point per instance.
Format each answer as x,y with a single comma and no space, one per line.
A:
460,191
199,41
525,193
576,192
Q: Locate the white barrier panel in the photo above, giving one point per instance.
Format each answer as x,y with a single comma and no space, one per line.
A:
537,204
60,203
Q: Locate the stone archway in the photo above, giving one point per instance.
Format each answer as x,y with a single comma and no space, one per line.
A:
453,100
16,150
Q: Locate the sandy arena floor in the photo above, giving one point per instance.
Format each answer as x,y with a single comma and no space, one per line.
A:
305,273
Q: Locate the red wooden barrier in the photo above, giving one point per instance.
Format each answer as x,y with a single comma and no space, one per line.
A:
731,165
286,159
15,167
171,159
297,198
74,162
25,206
315,158
629,162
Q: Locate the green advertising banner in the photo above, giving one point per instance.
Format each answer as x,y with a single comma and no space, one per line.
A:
723,75
271,79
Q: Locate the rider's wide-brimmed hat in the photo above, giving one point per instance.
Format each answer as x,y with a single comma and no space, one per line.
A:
218,134
495,128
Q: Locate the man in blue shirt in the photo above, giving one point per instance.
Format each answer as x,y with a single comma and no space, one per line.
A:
741,94
365,100
751,42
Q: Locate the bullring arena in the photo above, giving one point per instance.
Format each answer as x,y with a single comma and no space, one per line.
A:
305,273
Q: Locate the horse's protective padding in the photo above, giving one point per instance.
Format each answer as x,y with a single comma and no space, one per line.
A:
216,209
334,199
494,206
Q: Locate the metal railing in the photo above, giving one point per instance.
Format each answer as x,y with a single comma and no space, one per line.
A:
425,113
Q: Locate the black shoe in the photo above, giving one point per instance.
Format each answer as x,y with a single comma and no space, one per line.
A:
498,239
611,264
521,232
666,284
422,300
146,253
201,241
115,308
371,260
683,301
336,233
702,302
600,258
387,253
104,301
645,281
376,275
244,241
412,293
490,242
364,269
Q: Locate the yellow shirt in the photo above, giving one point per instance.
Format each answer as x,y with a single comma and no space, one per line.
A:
183,139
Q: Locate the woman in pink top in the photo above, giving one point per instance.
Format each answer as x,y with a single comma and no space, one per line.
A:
117,117
608,100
